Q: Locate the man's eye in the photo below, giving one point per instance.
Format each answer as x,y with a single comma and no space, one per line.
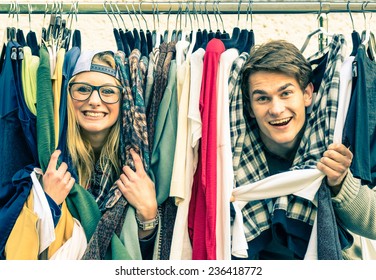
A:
286,93
262,99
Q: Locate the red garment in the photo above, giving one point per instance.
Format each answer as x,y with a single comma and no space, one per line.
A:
202,207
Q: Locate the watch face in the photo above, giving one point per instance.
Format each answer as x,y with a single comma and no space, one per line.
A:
149,226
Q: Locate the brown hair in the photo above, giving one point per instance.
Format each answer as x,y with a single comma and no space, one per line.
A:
275,56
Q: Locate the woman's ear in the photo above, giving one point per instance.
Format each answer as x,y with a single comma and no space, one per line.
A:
307,95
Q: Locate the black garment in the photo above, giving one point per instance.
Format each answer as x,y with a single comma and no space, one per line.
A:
360,127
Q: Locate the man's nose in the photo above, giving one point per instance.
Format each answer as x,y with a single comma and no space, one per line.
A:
276,108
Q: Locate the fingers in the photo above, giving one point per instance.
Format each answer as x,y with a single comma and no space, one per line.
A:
337,157
53,160
139,166
335,163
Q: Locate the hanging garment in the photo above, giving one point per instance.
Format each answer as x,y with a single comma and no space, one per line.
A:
70,61
225,174
162,159
359,133
57,81
166,54
253,167
202,209
30,66
14,141
182,177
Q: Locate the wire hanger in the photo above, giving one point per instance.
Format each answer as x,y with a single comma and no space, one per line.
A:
368,38
355,37
167,31
320,30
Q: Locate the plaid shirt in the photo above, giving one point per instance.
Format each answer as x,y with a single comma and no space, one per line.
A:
249,161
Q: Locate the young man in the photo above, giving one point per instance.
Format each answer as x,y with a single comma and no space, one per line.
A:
284,123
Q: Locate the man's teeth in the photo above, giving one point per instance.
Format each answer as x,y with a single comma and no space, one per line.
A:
93,114
280,122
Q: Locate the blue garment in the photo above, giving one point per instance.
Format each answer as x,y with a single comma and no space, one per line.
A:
14,146
70,60
360,127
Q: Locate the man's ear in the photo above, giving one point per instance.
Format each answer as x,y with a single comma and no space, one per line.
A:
307,95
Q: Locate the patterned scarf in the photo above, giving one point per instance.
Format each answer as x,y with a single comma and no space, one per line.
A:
133,134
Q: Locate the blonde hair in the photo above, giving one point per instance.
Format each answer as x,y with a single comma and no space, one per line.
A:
80,150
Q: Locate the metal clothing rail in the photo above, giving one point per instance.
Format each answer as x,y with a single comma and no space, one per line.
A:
209,6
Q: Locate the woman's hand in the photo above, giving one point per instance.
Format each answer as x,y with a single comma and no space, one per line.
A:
138,189
335,164
57,183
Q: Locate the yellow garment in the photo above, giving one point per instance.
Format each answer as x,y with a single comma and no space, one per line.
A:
23,241
30,65
57,79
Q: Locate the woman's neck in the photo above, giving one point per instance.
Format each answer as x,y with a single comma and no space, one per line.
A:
97,142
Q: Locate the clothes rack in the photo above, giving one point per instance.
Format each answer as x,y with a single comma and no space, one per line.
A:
225,7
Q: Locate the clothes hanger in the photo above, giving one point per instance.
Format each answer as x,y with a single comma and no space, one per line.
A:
251,36
355,37
136,34
154,32
128,32
231,42
167,30
205,33
175,31
199,37
224,34
144,44
320,30
31,38
20,37
217,33
211,33
118,41
126,47
368,38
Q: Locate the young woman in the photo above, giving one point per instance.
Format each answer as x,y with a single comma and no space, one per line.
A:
93,133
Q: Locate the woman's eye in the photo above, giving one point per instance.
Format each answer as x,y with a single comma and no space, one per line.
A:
108,91
84,89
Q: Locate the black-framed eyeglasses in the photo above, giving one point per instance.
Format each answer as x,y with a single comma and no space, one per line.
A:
107,93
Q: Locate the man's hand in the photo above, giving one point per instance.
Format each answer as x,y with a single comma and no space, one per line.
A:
335,164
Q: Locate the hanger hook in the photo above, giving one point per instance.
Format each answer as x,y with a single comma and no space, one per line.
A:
142,15
135,13
168,15
119,12
153,13
239,4
320,10
129,14
105,9
114,15
215,14
157,14
207,15
250,9
29,10
364,5
349,10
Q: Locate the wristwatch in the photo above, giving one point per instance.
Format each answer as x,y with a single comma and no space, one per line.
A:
148,225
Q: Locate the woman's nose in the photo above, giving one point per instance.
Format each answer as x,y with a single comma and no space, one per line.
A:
95,99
